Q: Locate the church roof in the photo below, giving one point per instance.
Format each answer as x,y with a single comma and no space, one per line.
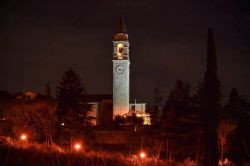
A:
97,97
121,32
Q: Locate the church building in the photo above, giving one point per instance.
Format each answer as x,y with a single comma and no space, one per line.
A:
121,64
120,99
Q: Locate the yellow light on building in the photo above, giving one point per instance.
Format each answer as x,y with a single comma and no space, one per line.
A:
145,117
120,51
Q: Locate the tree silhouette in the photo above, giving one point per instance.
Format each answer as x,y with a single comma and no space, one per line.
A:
73,111
69,92
235,106
211,97
181,123
179,98
238,109
155,112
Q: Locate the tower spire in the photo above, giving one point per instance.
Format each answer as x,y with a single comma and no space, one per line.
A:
121,32
121,27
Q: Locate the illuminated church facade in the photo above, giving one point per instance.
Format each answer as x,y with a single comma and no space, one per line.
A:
121,64
106,107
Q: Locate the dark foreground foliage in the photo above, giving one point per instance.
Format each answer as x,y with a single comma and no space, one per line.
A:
29,157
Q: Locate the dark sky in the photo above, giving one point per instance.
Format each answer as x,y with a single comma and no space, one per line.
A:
41,39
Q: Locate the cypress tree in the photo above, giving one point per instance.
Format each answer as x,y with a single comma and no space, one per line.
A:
211,96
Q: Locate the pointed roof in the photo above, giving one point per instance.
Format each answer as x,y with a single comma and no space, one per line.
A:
121,28
120,32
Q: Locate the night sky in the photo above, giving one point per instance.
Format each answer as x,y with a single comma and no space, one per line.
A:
40,40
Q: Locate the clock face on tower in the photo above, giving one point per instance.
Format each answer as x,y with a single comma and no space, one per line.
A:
119,69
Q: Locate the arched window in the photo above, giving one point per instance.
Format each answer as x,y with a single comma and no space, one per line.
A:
120,51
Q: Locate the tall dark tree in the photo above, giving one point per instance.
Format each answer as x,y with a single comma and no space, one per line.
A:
69,92
179,98
238,109
211,97
73,111
235,105
156,111
180,124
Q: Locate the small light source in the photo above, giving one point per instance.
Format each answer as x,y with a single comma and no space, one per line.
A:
77,146
23,137
62,124
142,155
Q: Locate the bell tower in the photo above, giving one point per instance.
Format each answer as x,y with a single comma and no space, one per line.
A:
120,69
